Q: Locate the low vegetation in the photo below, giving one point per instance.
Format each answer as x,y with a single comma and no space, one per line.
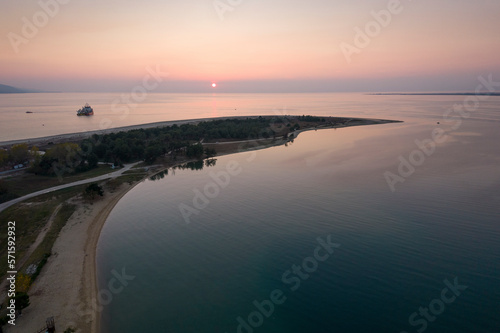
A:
15,186
31,217
92,192
71,161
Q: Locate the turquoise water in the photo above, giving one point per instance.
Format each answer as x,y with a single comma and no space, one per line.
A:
394,249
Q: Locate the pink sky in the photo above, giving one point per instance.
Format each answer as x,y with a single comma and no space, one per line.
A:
87,42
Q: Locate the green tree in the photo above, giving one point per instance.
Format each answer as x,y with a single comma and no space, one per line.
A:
210,162
67,155
152,153
4,157
45,166
92,160
138,150
92,191
101,149
122,151
19,153
37,157
195,150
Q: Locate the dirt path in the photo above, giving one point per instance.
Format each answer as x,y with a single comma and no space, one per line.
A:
40,237
32,248
67,287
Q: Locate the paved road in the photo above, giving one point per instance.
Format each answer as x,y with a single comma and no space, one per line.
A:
114,174
8,173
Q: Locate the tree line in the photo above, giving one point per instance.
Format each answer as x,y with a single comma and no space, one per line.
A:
148,144
135,145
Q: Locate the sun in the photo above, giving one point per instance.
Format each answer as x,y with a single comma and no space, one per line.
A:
214,85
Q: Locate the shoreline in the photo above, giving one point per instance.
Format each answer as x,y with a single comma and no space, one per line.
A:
270,143
67,287
59,138
90,266
80,237
45,140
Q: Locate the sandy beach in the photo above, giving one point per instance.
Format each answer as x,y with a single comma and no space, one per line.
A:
67,288
54,139
42,141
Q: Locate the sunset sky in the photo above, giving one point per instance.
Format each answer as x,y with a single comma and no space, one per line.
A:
257,46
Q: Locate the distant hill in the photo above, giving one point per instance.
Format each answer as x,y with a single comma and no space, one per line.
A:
5,89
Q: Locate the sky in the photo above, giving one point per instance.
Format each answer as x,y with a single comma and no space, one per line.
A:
249,45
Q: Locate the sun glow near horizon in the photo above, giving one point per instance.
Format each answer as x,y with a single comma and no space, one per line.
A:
287,41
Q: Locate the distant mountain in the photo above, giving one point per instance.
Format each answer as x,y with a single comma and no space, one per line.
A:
5,89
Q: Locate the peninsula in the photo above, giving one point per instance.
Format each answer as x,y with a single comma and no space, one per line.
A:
69,184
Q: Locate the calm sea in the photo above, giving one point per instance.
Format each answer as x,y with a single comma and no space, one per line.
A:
242,246
54,114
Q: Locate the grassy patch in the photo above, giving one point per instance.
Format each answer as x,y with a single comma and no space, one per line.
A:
113,184
40,265
20,185
31,217
131,178
134,172
45,248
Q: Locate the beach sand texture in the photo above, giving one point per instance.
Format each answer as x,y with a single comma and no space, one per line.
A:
67,288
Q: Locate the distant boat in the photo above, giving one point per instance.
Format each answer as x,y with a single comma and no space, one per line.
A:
85,111
29,112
